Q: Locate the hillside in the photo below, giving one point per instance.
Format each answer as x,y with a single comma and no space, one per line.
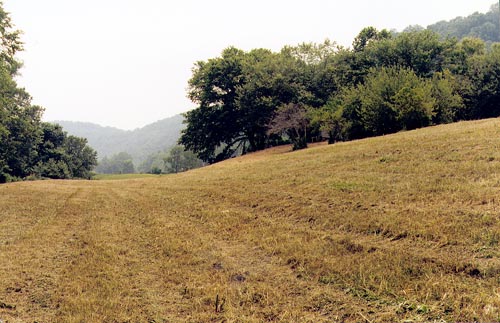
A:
139,143
403,227
480,25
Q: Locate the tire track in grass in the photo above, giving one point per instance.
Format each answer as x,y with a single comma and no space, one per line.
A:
99,283
33,259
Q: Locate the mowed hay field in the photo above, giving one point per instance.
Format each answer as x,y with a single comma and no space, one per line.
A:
403,227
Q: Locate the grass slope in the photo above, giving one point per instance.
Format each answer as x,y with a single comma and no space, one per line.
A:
401,227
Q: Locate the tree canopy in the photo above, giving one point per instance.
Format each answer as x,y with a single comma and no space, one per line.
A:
387,82
237,94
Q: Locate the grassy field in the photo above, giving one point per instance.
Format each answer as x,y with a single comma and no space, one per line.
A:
399,228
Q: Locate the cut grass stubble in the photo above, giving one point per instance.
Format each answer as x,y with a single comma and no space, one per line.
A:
401,227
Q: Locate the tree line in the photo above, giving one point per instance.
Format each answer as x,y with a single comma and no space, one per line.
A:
385,82
173,160
30,148
481,25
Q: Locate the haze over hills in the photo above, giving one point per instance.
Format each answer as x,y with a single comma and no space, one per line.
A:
139,143
481,25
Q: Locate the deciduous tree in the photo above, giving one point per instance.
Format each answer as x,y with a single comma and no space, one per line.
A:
291,120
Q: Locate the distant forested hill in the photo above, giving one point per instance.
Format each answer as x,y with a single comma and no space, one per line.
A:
484,26
139,143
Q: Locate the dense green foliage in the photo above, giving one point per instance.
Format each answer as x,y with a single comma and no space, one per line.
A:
237,96
385,83
485,26
62,156
29,147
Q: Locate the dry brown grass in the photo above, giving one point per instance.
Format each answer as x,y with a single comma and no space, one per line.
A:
401,227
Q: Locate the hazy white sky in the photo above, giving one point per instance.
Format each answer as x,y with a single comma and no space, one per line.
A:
126,63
